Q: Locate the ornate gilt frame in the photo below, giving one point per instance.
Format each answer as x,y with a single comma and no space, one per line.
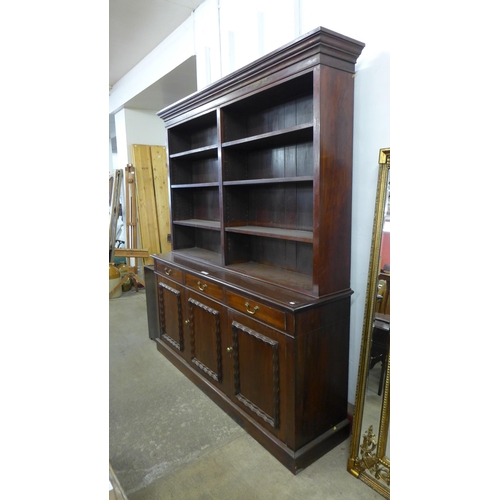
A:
367,458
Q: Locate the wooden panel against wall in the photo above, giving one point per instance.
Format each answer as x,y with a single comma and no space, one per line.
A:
146,204
159,163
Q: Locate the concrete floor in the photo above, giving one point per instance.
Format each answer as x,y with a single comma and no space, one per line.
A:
167,440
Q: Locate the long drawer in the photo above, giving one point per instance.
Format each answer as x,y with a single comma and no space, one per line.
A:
204,286
169,272
256,310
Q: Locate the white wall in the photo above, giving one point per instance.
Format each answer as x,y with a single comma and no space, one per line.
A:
225,38
136,127
207,43
371,133
255,31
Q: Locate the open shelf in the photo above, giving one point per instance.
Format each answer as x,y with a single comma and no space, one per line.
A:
275,209
195,186
197,136
196,238
282,110
198,153
282,137
281,255
274,232
201,254
272,180
293,162
282,277
199,167
205,224
196,203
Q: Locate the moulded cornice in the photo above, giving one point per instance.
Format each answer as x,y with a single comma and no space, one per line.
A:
319,46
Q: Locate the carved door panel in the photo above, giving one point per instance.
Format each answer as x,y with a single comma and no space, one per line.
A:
258,374
170,314
207,338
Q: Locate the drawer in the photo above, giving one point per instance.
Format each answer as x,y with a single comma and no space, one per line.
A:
203,286
169,283
167,271
256,310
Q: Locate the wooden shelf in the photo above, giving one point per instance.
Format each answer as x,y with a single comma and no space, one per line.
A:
276,180
200,254
292,135
195,185
282,277
274,232
204,224
204,152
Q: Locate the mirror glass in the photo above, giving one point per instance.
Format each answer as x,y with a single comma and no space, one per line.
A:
379,349
369,457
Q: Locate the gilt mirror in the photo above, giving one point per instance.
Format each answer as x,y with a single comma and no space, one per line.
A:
369,458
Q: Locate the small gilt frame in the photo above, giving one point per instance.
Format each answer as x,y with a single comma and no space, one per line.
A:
368,460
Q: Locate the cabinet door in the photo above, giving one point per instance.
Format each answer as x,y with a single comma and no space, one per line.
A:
170,313
258,375
207,339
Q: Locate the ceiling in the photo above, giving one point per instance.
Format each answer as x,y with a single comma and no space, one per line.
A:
136,27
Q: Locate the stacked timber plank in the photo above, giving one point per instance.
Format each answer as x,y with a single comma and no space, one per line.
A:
158,162
152,198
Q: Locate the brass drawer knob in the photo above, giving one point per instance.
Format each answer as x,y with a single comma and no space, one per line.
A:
201,287
250,311
168,271
229,350
186,322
